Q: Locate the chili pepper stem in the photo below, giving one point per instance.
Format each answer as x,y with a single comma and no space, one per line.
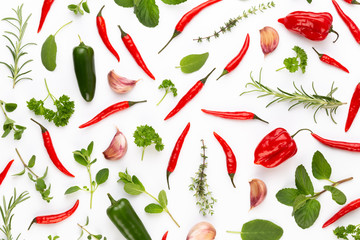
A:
300,130
26,166
32,222
62,28
99,14
175,34
256,117
355,2
207,76
43,129
319,54
337,34
167,178
232,179
334,185
222,74
123,34
133,103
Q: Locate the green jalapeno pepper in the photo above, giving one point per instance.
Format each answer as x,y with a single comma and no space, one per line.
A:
124,217
83,57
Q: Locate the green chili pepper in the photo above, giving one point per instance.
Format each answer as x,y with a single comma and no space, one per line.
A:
85,70
124,217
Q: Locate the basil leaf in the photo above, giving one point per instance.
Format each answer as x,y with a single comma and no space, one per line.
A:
303,182
261,229
31,162
163,199
337,195
133,189
147,12
173,2
153,208
320,167
287,196
307,215
48,53
86,7
125,3
102,176
72,189
10,107
193,62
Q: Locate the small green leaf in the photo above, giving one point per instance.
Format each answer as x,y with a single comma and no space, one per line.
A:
259,229
20,173
6,132
337,195
31,177
86,7
133,189
299,202
307,215
303,182
72,189
45,173
102,176
31,162
90,148
125,177
87,221
287,196
99,236
173,2
154,208
48,53
18,132
137,181
72,7
320,167
40,185
163,199
79,158
147,12
193,62
125,3
10,107
309,1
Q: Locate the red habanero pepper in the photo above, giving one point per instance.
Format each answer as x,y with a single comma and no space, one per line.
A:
5,171
234,115
331,61
165,236
235,62
355,31
108,111
55,218
44,11
354,107
175,153
187,18
51,151
101,26
131,47
343,211
349,146
313,26
352,1
188,96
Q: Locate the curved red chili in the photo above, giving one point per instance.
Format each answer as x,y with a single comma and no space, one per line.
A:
354,107
51,151
44,11
131,47
108,111
230,157
188,96
235,62
101,26
234,115
355,31
331,61
175,153
165,236
187,18
5,171
349,146
352,1
344,210
55,218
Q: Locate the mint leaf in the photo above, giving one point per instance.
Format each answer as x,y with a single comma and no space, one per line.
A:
163,199
307,215
173,2
125,3
133,189
261,229
147,12
303,182
320,167
102,176
193,62
299,202
154,208
287,196
337,195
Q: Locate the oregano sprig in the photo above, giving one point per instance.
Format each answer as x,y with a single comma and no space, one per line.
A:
80,8
9,124
90,235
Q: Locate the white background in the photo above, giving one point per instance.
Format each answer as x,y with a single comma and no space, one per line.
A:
231,210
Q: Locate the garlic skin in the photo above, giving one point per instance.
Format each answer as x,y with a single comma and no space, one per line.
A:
120,84
202,231
269,40
117,147
258,192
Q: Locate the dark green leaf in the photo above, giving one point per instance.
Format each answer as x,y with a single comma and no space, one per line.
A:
20,173
154,208
18,132
299,202
8,122
337,195
193,62
259,229
102,176
90,148
147,12
309,1
86,7
32,161
10,107
173,2
6,132
48,53
133,189
307,215
303,182
287,196
80,159
125,3
40,185
137,181
99,236
72,189
163,199
320,167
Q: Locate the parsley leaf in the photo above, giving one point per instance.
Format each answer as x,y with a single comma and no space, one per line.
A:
145,136
169,86
294,63
342,232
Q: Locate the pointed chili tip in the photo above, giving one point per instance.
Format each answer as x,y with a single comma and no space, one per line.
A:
319,54
222,74
99,14
112,200
175,34
123,34
167,178
32,222
256,117
232,179
281,20
43,129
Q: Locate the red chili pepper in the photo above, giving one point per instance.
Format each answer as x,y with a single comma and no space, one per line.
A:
44,11
165,236
344,210
314,26
230,157
352,1
354,107
5,171
354,147
355,31
51,151
131,47
329,60
55,218
101,26
275,148
188,96
234,115
175,153
235,62
187,18
110,110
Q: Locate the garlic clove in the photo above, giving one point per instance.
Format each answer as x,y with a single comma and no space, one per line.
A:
258,192
202,231
120,84
269,39
117,147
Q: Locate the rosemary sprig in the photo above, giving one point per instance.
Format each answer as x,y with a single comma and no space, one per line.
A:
204,198
327,103
233,21
6,211
16,47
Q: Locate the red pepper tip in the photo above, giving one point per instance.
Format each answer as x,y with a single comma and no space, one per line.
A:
281,20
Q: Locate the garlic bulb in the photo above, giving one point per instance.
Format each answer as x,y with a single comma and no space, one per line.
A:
269,39
258,192
120,84
202,231
117,148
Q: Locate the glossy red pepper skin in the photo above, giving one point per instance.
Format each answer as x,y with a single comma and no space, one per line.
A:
355,31
131,47
352,2
354,107
101,26
44,11
275,148
5,171
165,236
176,152
51,151
331,61
344,210
109,111
188,96
55,218
313,26
236,61
349,146
230,157
234,115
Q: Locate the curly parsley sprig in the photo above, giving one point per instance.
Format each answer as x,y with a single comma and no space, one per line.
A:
145,136
343,232
169,86
294,63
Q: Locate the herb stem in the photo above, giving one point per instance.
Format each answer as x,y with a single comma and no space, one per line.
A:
233,232
91,185
83,228
62,28
334,185
26,166
3,110
166,92
49,93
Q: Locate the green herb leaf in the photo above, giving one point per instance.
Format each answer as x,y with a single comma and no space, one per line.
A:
10,107
79,158
147,12
73,7
20,173
125,177
261,229
173,2
303,182
337,195
90,148
137,182
72,190
32,161
163,199
309,1
102,176
18,132
154,208
294,63
291,64
125,3
86,7
193,62
307,215
287,196
48,53
299,202
145,136
133,189
320,167
40,185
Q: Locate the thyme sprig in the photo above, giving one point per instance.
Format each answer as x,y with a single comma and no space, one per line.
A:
233,21
16,47
319,102
204,198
